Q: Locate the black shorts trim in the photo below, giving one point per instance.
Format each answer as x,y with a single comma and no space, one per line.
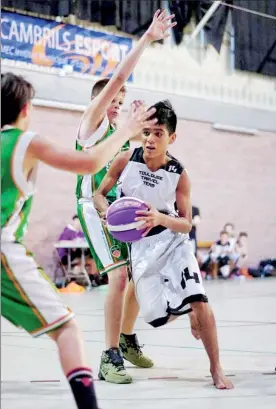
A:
188,300
159,322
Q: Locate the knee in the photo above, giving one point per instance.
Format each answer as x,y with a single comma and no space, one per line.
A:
69,327
118,279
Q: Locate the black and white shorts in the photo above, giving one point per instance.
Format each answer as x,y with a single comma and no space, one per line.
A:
166,276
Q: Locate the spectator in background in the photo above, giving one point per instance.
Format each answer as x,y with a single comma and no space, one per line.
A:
195,222
241,250
221,255
73,232
230,230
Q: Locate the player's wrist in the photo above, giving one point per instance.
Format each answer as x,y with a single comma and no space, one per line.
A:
129,132
148,38
163,220
124,133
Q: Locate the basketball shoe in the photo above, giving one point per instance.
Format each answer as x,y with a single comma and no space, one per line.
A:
112,367
132,351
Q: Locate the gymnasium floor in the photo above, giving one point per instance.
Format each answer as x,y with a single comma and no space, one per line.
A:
246,318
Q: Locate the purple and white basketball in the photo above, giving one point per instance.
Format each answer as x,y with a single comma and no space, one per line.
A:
121,216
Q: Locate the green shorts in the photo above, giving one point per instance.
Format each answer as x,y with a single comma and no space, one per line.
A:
28,297
107,252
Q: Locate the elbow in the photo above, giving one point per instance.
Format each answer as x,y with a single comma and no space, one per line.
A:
92,167
86,171
122,78
184,227
188,228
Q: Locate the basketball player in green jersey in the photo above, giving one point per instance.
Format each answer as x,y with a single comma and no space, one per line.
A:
111,256
28,299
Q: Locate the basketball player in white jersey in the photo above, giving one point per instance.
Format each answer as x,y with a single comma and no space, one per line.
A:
165,272
111,256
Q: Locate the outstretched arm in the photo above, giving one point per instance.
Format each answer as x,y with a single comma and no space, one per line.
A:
95,112
91,162
110,180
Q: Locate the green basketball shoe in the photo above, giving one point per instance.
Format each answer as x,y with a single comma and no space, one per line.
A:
112,367
132,352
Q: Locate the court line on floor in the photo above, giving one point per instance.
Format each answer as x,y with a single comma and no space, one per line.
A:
151,378
195,397
156,346
165,328
221,349
88,314
14,334
28,347
206,397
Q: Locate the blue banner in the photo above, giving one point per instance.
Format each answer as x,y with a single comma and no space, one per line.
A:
48,43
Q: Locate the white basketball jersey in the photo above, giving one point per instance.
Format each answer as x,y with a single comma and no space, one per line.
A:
156,188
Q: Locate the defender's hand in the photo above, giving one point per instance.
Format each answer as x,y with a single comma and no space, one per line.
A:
138,118
159,28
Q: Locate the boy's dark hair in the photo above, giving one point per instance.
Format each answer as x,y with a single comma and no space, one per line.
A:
229,224
99,86
223,232
75,217
165,115
15,93
243,234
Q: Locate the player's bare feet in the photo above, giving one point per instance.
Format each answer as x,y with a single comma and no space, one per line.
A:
195,328
220,380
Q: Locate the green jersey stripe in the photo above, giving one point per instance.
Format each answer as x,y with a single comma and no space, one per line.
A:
17,191
88,184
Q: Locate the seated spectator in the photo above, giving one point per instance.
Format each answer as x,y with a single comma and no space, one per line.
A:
221,256
230,230
241,250
73,232
195,222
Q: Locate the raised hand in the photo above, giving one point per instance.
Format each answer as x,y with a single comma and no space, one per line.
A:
137,103
138,118
159,28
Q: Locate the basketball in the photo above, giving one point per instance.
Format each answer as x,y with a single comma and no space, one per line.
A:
121,216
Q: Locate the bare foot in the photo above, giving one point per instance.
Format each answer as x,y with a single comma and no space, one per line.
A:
220,380
195,328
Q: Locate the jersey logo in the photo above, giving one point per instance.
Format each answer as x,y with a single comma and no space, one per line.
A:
115,251
172,168
150,179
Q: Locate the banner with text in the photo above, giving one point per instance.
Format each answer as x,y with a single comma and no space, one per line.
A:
48,43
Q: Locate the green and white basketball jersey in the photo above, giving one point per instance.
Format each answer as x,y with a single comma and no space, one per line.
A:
88,184
16,191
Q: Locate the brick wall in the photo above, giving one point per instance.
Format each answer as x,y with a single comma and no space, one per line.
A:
233,179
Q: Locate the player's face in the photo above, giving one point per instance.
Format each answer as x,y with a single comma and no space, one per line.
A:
229,229
155,141
115,107
243,240
77,224
224,238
